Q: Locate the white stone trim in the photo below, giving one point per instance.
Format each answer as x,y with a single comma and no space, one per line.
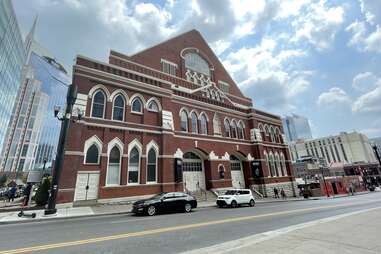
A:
93,140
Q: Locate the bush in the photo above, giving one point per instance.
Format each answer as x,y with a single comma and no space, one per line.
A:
42,194
3,180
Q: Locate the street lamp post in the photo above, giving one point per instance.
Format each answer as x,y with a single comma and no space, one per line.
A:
57,169
325,183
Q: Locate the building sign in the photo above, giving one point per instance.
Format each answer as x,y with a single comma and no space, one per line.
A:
167,120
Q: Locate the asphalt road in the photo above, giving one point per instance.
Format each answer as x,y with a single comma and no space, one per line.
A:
170,233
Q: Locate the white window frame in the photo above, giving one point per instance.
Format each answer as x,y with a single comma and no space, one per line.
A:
124,108
138,145
152,145
104,105
115,142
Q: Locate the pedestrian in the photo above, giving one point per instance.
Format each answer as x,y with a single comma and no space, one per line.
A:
27,192
276,193
12,194
283,194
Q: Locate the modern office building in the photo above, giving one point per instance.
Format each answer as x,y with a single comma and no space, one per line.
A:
24,130
12,57
296,127
345,148
168,118
32,136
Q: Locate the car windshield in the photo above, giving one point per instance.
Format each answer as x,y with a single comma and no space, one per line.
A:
230,192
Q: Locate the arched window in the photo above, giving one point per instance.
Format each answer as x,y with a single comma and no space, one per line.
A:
196,63
204,124
227,128
272,164
283,164
267,133
278,165
113,169
261,130
183,121
216,125
267,162
234,129
151,165
133,166
272,134
194,122
92,155
137,105
98,107
118,109
152,106
241,134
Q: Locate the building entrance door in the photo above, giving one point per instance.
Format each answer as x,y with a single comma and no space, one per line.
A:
238,180
86,187
193,172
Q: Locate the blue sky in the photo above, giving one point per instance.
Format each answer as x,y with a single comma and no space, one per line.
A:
316,58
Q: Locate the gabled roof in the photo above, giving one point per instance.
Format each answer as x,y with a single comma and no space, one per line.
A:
170,50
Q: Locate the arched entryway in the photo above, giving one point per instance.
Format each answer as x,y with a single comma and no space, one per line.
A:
193,172
238,179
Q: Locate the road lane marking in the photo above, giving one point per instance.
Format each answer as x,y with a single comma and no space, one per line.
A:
235,246
165,230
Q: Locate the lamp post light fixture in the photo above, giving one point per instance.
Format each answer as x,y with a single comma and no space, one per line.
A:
58,163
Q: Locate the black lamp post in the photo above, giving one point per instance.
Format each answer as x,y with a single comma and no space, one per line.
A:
57,169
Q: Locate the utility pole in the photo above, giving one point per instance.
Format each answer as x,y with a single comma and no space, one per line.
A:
57,169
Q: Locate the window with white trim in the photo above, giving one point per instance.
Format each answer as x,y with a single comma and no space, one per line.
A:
137,105
168,67
92,155
98,107
151,165
113,169
183,121
152,106
196,63
118,109
133,166
194,122
204,124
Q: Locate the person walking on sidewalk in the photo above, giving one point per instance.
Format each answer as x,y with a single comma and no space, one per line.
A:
12,194
283,194
276,193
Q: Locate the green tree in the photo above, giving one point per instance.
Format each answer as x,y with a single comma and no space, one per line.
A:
3,180
42,194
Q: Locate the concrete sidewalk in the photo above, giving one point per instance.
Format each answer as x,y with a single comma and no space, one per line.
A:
353,233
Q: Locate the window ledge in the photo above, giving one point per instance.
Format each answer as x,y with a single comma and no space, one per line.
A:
136,113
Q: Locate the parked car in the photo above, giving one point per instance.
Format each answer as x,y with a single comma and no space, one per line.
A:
165,202
235,198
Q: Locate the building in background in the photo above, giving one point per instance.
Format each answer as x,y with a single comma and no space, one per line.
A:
12,59
32,136
345,148
296,127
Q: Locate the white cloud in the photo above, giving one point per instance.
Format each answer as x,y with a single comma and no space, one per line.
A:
371,9
365,81
334,98
267,74
359,31
373,41
369,102
319,24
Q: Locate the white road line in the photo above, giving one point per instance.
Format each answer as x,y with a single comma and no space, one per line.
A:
235,245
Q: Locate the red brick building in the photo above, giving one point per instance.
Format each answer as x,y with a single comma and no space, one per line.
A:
168,118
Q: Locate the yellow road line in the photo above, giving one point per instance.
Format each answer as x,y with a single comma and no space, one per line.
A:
163,230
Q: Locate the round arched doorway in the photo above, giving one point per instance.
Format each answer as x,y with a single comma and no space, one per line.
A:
238,180
193,172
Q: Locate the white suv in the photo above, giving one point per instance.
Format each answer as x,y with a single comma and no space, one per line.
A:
236,197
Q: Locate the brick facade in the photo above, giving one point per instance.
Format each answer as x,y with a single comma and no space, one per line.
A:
140,76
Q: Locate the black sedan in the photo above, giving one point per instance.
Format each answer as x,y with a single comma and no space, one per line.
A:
165,202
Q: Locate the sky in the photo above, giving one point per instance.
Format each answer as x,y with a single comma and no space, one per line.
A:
316,58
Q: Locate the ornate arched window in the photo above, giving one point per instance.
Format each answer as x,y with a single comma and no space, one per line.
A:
234,129
92,155
152,165
216,125
204,124
272,134
133,166
272,164
196,63
153,106
183,120
137,105
267,161
240,130
278,165
194,122
113,169
118,108
227,128
98,104
261,130
283,164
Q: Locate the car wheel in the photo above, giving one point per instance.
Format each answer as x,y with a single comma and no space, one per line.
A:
252,203
220,206
234,204
151,210
188,208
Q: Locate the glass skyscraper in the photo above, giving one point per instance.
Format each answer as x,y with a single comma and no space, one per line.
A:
296,127
12,59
